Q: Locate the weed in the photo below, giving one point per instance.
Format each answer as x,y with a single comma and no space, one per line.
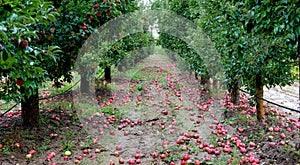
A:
228,120
5,150
87,144
44,148
44,121
70,134
173,157
67,146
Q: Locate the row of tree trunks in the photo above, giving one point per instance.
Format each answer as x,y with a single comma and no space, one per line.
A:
234,95
85,84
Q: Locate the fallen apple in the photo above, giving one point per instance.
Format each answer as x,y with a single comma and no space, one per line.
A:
68,153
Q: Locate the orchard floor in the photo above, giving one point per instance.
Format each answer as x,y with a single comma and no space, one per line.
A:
153,114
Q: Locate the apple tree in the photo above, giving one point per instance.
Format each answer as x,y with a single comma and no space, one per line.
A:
41,42
258,42
22,62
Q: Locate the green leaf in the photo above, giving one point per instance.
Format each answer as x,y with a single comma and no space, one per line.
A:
264,13
3,36
19,25
51,17
4,56
12,18
30,34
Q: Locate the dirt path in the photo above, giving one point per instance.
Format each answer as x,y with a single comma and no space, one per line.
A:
156,116
287,96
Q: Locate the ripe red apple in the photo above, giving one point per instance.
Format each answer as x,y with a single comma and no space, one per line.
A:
131,161
80,157
121,161
84,27
30,152
179,141
272,144
139,98
96,6
183,162
138,161
137,156
66,157
197,162
108,11
217,151
207,158
118,147
139,122
163,156
165,112
24,43
276,129
85,151
281,143
116,154
186,157
77,161
126,133
251,144
98,13
154,155
282,136
241,130
243,150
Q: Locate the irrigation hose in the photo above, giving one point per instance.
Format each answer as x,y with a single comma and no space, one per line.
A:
271,102
44,98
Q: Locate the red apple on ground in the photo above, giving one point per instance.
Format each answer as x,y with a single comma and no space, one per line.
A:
186,157
131,161
121,161
118,147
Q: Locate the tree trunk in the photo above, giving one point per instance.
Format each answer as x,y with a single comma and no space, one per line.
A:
30,110
107,74
204,80
259,92
84,84
235,94
196,76
216,84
